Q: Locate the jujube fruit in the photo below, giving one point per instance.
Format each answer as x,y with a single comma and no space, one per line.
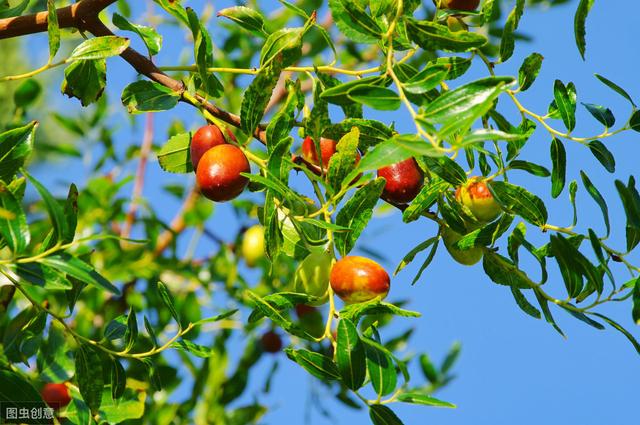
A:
55,395
404,181
204,139
357,279
467,257
312,276
253,245
271,342
476,196
304,310
218,173
468,5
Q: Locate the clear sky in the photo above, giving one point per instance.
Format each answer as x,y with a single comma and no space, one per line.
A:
513,369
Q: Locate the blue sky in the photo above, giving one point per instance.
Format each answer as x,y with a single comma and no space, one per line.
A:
513,369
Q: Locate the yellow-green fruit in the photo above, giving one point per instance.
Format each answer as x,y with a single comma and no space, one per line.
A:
312,276
476,196
456,24
253,245
468,257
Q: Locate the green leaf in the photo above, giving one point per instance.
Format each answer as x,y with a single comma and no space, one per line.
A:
285,44
258,94
43,276
634,121
118,379
569,308
485,236
447,169
55,363
427,196
507,43
53,29
318,365
216,318
502,271
99,48
602,114
131,334
412,254
424,399
517,200
339,93
382,415
15,147
175,9
27,93
613,86
152,40
356,213
203,55
354,22
282,122
274,307
248,19
350,355
529,70
529,167
118,411
565,98
459,108
379,98
13,226
78,269
563,251
167,300
193,348
148,96
371,132
559,170
85,80
524,304
482,135
70,214
429,369
354,312
432,36
579,25
382,371
89,376
174,156
15,10
344,160
427,79
620,329
635,314
56,213
544,305
602,154
631,203
597,196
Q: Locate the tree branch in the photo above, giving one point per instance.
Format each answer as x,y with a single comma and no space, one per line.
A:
84,16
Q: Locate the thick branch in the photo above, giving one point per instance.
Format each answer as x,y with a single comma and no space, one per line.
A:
74,16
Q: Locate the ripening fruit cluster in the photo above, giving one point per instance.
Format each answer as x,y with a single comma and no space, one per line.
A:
354,279
218,164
